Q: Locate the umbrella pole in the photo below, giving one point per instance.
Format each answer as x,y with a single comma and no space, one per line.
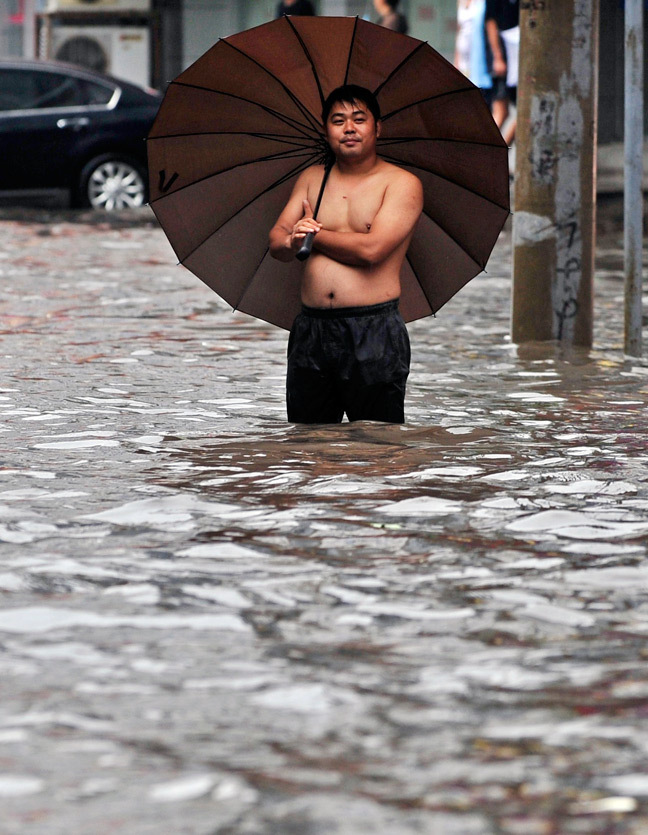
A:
305,249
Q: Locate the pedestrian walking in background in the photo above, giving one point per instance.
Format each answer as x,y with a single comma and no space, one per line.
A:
295,7
470,46
389,17
503,31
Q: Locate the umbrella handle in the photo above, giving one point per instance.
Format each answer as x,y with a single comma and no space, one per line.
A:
305,249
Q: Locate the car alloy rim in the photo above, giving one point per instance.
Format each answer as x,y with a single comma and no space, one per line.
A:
115,185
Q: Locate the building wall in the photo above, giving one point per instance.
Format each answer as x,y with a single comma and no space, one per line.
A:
203,23
11,28
434,21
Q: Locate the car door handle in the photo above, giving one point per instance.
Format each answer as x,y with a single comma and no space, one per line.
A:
75,123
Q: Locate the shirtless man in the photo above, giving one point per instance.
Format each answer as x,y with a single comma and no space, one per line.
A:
349,349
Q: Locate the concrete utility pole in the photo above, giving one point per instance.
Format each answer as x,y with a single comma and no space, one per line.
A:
555,176
632,193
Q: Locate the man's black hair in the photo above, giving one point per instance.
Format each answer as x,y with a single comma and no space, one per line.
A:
353,94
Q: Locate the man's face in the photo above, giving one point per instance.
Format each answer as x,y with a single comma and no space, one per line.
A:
351,130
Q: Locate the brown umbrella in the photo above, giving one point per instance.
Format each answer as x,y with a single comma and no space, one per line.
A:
237,127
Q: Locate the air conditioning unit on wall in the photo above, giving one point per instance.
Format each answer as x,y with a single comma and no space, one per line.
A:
98,5
122,51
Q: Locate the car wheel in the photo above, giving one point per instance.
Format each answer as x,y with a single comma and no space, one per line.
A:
112,182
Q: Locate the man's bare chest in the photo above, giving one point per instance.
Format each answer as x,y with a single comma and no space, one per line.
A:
349,206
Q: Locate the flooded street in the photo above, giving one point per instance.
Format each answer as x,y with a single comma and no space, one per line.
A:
213,621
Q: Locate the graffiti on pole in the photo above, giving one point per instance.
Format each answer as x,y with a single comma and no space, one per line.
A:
533,7
542,129
568,272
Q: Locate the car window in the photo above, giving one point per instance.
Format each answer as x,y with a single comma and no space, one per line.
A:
97,93
17,89
33,89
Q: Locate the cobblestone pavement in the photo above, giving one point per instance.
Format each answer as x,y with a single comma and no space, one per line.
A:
212,621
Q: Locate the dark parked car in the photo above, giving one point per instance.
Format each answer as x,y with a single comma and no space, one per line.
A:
64,127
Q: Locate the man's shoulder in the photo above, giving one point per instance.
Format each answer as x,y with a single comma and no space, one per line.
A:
399,175
313,172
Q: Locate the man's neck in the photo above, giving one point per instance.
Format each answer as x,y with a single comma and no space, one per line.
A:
354,168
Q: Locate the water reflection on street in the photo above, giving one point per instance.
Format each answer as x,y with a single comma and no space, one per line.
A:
231,624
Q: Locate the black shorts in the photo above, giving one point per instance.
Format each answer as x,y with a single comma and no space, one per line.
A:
500,90
348,359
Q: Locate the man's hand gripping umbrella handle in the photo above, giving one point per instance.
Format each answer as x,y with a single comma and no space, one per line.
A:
305,250
307,245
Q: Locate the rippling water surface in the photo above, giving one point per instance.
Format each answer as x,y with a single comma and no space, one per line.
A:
228,624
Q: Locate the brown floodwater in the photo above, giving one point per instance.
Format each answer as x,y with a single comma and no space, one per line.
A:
215,619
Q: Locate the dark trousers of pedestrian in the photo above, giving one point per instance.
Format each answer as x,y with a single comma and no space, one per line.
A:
348,360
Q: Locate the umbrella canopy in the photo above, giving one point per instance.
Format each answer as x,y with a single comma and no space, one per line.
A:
239,125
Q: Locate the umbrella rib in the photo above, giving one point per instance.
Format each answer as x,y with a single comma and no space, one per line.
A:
308,56
250,280
427,298
401,140
470,89
401,164
279,182
269,158
397,68
309,116
275,137
351,45
304,128
455,241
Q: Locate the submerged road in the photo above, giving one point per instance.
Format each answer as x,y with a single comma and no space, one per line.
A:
212,621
